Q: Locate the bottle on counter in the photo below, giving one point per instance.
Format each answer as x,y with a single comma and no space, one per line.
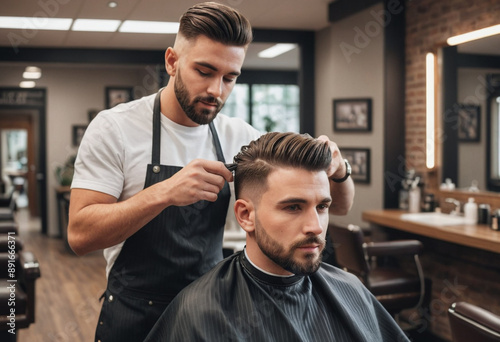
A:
470,211
484,214
414,196
494,219
429,203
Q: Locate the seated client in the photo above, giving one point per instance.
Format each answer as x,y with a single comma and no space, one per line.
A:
278,289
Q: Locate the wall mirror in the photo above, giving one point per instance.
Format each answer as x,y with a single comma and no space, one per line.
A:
469,114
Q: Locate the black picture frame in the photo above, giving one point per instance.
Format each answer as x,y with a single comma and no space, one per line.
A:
359,158
352,115
469,123
117,95
92,113
78,132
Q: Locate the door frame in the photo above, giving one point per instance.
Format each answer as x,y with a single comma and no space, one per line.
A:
34,102
23,120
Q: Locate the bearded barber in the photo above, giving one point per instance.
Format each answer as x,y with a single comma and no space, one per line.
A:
150,185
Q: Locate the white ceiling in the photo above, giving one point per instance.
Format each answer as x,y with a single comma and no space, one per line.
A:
263,14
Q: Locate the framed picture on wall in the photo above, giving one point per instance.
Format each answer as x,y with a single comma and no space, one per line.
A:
92,113
117,95
352,115
469,123
359,158
78,132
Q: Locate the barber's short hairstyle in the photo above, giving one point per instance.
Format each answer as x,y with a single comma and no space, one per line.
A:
278,150
218,22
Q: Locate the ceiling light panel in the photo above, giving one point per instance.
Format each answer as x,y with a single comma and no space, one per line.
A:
139,26
35,23
96,25
32,72
276,50
27,84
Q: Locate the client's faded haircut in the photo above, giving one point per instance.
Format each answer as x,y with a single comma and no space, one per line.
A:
256,160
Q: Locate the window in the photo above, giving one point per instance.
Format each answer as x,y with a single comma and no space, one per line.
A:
273,107
237,103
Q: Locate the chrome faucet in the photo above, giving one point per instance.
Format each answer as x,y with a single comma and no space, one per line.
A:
456,210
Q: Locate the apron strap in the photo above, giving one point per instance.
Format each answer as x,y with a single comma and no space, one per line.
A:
155,159
215,138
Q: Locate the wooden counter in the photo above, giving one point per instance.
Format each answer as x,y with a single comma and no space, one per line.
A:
477,236
462,262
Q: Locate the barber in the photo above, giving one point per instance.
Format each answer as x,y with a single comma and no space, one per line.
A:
161,226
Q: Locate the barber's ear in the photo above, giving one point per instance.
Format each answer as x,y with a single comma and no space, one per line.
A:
245,214
171,60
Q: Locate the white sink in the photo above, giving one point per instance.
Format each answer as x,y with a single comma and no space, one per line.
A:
434,219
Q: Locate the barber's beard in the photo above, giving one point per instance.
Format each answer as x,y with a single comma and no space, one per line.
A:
285,258
201,117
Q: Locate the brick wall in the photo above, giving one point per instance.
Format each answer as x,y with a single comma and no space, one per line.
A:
458,273
428,24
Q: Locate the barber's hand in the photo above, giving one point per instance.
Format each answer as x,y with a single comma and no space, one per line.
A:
199,180
337,168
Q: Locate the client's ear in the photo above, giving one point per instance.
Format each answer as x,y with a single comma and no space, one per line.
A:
245,214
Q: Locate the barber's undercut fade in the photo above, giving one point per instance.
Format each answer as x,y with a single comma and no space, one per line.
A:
218,22
272,150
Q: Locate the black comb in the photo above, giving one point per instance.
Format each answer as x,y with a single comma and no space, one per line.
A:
231,167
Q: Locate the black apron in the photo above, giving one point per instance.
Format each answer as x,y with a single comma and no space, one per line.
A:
163,257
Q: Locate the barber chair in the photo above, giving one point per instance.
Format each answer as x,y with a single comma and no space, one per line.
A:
7,243
6,198
21,291
7,227
7,208
472,323
374,264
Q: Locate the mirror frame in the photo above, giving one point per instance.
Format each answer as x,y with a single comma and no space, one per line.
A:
493,184
451,62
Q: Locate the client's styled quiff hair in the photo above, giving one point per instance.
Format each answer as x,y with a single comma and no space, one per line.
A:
218,22
256,160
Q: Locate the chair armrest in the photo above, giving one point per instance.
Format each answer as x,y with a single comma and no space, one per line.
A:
478,315
392,248
7,242
30,265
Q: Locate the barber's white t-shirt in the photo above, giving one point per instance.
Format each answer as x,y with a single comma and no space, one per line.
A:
116,150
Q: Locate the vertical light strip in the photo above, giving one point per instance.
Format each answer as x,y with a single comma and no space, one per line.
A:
430,111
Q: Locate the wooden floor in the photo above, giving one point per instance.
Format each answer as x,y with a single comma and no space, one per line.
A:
68,291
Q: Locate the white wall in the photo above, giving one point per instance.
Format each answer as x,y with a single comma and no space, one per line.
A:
71,91
360,74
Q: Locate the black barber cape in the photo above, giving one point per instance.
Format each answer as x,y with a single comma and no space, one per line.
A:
237,302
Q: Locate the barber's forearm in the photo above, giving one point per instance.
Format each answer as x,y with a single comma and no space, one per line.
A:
101,225
342,197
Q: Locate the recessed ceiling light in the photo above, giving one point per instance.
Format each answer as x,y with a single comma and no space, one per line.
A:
112,4
27,84
97,25
139,26
35,23
276,50
32,73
